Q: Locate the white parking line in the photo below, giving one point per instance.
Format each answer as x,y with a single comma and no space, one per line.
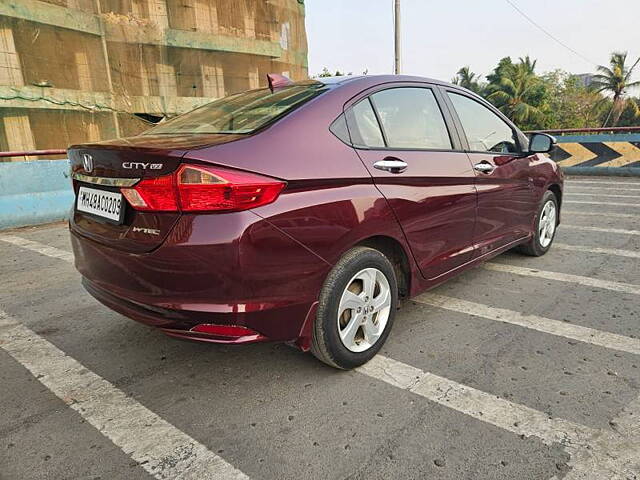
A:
534,322
575,194
615,204
587,182
601,214
488,408
37,247
159,447
600,229
604,251
595,454
564,277
600,189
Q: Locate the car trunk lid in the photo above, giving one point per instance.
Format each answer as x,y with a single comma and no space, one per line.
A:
123,162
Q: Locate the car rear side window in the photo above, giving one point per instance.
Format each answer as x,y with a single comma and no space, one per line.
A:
411,118
485,131
368,129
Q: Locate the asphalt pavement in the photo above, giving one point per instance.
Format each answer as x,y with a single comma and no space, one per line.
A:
525,368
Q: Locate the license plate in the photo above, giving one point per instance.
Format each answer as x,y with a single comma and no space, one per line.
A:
102,203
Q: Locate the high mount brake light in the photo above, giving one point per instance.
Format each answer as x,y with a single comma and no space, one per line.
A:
197,188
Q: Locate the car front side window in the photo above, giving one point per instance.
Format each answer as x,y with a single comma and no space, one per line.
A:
485,131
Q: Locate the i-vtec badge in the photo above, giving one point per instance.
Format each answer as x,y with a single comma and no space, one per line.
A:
141,165
148,231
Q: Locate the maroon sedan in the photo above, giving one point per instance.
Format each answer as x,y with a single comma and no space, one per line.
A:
302,212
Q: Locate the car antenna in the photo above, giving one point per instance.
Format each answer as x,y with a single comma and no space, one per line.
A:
278,81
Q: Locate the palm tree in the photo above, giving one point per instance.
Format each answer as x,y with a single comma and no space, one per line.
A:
616,81
467,79
528,65
515,93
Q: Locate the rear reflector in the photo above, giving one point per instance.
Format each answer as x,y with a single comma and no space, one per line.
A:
197,188
233,331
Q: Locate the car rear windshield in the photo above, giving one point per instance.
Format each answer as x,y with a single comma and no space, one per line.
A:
241,113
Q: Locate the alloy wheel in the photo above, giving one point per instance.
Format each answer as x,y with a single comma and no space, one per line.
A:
364,310
547,223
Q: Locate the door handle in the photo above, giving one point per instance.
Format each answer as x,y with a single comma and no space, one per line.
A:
484,167
392,165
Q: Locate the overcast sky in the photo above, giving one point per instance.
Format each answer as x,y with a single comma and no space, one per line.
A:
440,36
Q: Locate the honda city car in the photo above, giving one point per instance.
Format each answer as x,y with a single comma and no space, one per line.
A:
304,212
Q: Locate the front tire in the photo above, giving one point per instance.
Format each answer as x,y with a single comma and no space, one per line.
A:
357,307
545,230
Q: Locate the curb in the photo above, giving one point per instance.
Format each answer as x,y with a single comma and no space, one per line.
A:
603,171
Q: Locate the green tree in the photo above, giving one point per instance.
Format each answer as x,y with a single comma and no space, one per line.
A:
615,80
571,104
326,73
519,93
467,79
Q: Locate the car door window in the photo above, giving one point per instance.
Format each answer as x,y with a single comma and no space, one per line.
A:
485,131
411,118
368,132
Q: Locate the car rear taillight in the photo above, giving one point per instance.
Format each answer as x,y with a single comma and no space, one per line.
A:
196,188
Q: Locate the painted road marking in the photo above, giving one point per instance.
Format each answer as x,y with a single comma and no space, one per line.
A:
600,229
601,214
604,251
595,454
534,322
600,189
37,247
585,182
159,447
574,194
564,277
617,204
483,406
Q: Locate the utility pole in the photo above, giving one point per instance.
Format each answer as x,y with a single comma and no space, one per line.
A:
397,36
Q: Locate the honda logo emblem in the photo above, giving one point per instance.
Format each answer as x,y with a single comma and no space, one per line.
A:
87,162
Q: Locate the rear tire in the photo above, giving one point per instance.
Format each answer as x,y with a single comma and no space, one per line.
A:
356,309
545,227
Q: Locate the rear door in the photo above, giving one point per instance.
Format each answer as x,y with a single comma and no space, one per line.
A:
506,201
416,160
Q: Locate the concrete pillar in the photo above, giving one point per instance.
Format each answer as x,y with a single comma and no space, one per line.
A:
205,16
254,77
10,69
17,130
158,13
212,81
249,23
93,132
167,80
83,71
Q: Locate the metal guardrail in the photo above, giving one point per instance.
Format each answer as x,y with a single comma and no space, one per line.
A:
32,153
589,130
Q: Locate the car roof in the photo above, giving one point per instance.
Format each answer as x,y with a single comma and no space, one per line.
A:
373,79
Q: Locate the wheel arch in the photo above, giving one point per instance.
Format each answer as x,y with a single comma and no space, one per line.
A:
557,191
397,255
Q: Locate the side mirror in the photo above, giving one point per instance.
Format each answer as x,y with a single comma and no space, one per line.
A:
541,143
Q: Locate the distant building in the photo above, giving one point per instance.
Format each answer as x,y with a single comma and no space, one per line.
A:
585,79
84,70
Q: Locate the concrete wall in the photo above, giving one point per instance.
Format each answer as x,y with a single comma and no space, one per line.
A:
611,154
34,192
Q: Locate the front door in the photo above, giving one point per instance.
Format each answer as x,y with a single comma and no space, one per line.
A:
505,190
417,163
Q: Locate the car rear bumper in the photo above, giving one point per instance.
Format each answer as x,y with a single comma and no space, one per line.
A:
179,323
256,278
